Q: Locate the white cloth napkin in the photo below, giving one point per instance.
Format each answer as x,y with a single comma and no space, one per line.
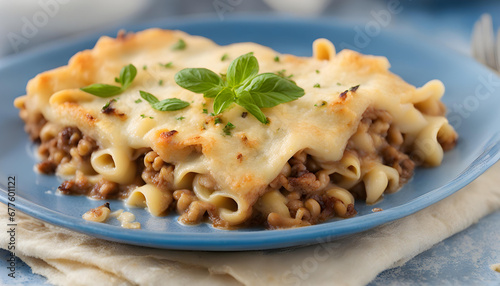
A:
69,258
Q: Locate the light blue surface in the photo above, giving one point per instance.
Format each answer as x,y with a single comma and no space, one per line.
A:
463,259
414,59
21,276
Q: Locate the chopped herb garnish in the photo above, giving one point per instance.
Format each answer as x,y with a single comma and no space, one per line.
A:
323,103
281,73
354,88
160,82
243,86
127,75
317,71
167,65
317,85
145,116
144,67
180,45
169,104
217,120
277,59
138,100
205,111
351,89
180,118
224,57
108,104
338,83
227,129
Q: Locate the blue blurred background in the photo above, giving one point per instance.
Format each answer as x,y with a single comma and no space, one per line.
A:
25,24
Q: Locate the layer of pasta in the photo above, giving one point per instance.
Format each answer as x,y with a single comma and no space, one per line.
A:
356,133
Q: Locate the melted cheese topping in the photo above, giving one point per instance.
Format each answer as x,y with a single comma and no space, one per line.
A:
244,163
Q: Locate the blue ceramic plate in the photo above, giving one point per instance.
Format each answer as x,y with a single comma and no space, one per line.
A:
472,95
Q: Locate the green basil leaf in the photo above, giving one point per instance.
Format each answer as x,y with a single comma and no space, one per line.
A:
127,75
170,104
246,101
269,90
241,69
149,97
102,90
223,100
199,80
241,84
180,45
213,92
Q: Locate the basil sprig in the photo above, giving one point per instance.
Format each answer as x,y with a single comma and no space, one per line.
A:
169,104
127,75
243,86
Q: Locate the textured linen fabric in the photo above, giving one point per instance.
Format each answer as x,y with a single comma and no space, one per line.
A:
69,258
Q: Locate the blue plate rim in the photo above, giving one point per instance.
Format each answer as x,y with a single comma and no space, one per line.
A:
236,241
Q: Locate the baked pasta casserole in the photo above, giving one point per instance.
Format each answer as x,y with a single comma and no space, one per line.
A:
239,134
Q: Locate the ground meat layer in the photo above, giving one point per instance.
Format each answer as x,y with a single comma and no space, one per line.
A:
301,181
